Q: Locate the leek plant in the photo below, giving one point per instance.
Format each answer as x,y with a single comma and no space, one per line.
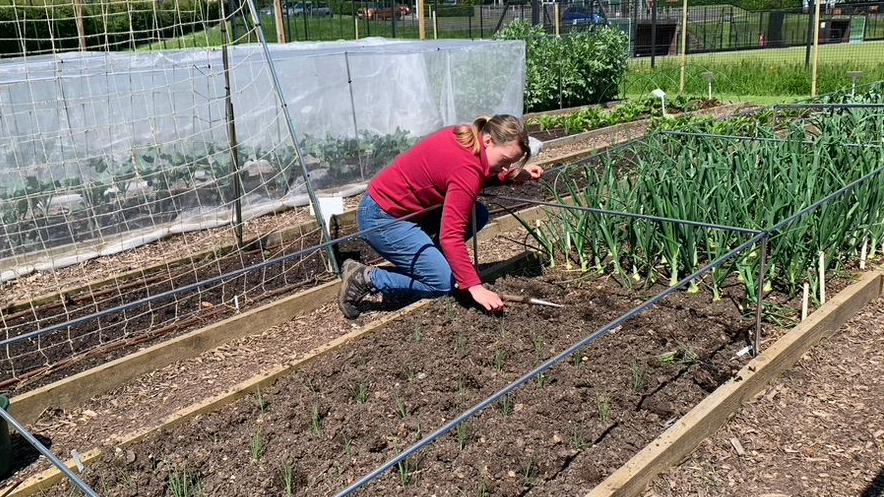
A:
747,183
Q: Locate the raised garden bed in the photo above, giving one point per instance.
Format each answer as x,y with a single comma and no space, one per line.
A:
547,127
340,418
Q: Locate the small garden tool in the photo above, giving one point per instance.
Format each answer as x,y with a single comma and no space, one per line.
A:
524,299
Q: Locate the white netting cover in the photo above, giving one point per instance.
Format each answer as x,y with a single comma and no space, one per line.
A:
104,151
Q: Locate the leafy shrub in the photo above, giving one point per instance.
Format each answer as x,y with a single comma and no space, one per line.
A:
754,4
582,68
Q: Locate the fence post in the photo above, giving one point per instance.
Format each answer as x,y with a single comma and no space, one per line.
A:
81,28
556,13
280,22
684,45
816,47
481,22
653,33
435,26
421,20
304,15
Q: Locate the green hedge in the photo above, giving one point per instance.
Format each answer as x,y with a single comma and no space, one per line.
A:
113,22
753,5
455,11
585,67
345,8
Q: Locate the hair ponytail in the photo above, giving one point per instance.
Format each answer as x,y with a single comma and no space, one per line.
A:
470,135
502,128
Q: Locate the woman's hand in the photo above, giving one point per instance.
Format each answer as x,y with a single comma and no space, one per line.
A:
486,298
531,172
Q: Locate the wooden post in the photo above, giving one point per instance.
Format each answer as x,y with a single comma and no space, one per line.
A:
231,137
556,12
280,21
816,48
81,28
421,20
684,45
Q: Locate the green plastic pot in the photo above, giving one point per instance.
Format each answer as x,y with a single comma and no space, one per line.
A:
5,445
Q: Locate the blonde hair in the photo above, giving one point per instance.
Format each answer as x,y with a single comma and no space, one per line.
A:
502,128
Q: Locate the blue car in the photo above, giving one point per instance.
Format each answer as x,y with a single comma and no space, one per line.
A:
579,15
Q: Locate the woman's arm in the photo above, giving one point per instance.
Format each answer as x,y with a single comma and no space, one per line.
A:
460,198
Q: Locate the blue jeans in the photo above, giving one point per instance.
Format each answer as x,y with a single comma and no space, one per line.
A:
423,270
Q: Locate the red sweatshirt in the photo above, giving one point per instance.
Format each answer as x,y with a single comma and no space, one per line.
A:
439,171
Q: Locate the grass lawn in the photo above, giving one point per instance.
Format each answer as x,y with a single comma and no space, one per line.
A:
771,72
338,27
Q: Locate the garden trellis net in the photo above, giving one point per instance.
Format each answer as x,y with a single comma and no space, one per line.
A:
109,149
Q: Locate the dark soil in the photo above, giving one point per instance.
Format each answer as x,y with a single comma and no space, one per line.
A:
547,134
343,416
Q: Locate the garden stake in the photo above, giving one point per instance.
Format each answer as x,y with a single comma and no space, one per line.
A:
760,297
528,300
805,301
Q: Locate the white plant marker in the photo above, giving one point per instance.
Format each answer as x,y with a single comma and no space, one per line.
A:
862,255
236,303
822,278
805,300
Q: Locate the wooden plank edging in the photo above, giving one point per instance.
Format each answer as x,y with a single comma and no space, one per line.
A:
76,389
679,440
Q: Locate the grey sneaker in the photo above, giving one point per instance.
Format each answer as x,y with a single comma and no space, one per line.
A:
355,286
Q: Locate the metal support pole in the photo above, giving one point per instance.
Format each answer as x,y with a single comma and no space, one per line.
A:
475,240
317,210
353,110
231,137
47,453
481,22
759,306
394,8
304,15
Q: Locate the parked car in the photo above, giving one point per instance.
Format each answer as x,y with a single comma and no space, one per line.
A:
579,15
299,9
380,12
